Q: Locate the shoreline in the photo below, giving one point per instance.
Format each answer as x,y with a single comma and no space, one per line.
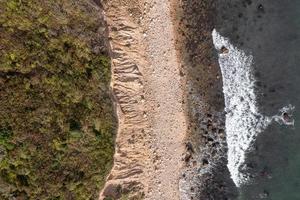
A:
206,174
181,150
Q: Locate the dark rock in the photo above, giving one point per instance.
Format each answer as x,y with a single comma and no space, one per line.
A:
187,157
181,73
215,144
261,8
221,131
286,117
204,161
113,191
189,147
224,50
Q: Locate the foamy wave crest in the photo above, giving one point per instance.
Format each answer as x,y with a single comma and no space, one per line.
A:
243,121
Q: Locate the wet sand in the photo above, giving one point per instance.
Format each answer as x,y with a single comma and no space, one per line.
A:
206,174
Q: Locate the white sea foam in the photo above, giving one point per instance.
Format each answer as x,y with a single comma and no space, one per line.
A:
243,120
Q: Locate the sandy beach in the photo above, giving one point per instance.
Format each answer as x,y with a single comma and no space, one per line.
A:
149,92
171,141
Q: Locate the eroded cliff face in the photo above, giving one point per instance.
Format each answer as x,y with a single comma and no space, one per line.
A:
148,89
127,60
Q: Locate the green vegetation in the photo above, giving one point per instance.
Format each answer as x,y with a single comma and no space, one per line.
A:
56,116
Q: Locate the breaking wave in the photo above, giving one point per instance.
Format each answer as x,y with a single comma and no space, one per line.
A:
243,120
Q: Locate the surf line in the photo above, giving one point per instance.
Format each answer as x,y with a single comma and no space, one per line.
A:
243,121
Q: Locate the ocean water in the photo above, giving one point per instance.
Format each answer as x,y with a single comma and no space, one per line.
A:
268,32
243,120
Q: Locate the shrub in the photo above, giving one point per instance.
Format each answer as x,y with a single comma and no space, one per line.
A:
57,121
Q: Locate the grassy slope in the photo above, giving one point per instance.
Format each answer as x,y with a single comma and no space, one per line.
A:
56,117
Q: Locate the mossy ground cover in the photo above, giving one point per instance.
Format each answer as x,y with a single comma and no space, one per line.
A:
56,117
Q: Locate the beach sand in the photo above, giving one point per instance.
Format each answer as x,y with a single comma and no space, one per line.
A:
171,141
149,94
